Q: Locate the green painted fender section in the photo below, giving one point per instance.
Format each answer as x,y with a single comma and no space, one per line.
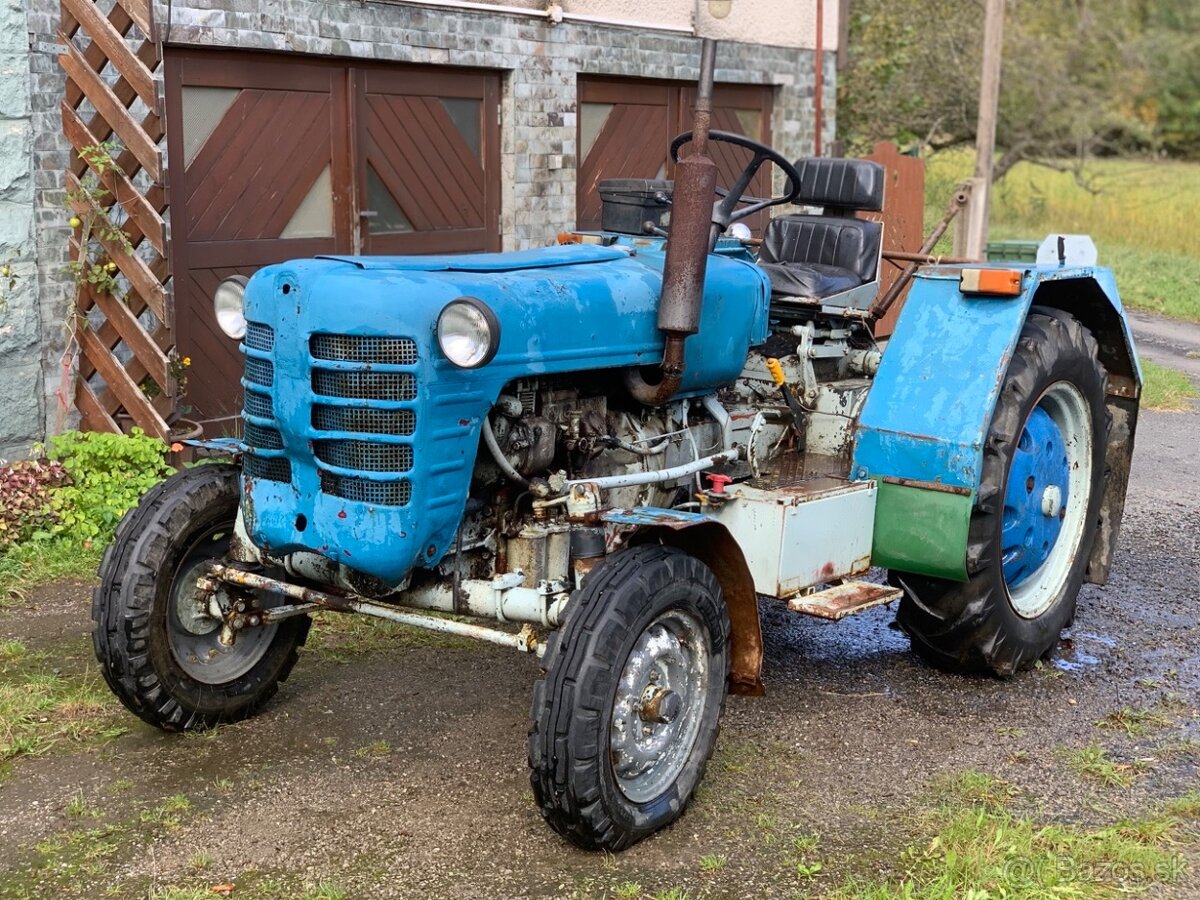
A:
921,531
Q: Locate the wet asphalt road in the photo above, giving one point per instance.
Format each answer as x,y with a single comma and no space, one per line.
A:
400,772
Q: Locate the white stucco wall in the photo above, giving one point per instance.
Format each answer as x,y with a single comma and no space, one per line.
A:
780,23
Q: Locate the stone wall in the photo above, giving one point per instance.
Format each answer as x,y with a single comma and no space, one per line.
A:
541,61
21,418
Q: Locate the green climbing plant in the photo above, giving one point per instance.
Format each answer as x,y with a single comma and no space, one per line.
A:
95,232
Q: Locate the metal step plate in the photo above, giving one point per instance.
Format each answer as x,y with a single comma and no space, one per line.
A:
844,599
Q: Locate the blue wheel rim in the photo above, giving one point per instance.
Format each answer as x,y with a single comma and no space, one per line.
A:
1035,498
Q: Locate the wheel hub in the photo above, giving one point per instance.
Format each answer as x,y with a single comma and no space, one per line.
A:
662,707
659,705
1046,499
200,639
1034,499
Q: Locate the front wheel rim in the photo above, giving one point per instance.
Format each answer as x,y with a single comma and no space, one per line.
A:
659,705
1043,526
193,634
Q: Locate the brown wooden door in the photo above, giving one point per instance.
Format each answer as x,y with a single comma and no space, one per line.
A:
274,158
429,145
625,128
260,172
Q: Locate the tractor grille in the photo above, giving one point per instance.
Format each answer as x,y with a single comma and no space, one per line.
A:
365,456
259,337
368,421
259,405
268,468
395,351
359,380
259,371
262,438
361,490
365,385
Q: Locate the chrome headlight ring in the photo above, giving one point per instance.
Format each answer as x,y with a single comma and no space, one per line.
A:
468,332
229,306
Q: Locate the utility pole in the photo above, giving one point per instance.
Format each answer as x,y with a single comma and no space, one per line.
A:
971,235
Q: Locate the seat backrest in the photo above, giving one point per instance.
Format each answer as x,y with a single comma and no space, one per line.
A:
840,184
851,244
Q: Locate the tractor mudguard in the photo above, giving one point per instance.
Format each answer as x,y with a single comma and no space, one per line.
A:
921,435
710,542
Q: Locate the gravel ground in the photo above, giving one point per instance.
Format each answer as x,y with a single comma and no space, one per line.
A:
401,772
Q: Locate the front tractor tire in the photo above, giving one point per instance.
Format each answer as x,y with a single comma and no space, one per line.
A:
1036,512
159,650
627,715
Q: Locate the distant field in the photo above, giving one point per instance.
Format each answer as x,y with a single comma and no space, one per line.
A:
1143,219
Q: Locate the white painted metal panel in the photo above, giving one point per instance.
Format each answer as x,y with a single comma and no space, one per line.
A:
801,536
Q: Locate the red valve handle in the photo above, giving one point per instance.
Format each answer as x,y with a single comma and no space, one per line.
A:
718,482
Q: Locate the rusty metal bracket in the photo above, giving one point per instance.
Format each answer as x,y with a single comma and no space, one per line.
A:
311,600
880,307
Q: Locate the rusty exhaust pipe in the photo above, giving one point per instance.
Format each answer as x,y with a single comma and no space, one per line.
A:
687,247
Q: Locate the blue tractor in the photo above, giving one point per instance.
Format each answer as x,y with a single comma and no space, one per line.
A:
616,446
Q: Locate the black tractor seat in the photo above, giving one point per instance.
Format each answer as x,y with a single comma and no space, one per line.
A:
817,257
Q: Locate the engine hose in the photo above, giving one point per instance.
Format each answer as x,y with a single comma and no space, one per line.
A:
614,441
489,438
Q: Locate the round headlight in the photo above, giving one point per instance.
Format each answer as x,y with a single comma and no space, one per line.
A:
229,304
468,333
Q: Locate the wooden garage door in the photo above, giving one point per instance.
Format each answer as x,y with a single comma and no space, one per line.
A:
274,158
625,129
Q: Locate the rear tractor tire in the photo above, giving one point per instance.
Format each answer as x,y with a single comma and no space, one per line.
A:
627,715
1036,512
157,644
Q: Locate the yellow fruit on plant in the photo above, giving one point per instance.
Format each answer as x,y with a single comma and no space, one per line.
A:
74,221
110,267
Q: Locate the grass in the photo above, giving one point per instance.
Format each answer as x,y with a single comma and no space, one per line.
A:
977,846
1165,389
712,863
1139,212
45,707
1134,722
339,638
38,562
1094,762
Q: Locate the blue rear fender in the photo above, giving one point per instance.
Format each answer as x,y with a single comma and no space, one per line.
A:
929,410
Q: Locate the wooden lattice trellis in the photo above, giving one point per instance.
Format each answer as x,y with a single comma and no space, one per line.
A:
125,373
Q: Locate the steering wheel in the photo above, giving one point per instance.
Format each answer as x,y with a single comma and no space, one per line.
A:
725,210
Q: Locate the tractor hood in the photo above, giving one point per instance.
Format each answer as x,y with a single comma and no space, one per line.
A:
338,343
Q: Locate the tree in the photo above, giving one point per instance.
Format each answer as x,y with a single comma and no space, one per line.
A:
1080,77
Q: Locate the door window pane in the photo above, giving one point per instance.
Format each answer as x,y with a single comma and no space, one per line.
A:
202,108
389,218
314,216
465,113
592,117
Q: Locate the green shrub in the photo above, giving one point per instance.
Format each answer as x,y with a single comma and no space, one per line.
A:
108,475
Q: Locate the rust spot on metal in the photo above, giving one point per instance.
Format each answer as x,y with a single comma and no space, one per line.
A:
840,601
827,570
927,485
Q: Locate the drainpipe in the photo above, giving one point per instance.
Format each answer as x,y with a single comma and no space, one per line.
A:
688,246
819,80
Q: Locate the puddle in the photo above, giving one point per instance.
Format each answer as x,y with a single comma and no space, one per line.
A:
1077,652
